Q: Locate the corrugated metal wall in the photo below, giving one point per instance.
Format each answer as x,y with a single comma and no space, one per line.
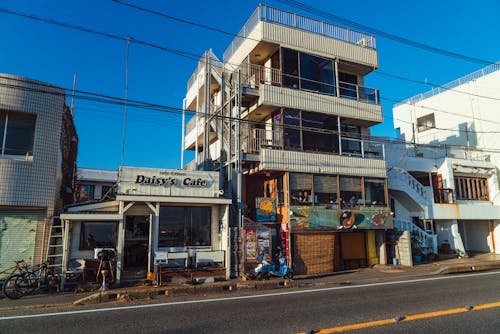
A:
21,236
320,163
318,44
331,105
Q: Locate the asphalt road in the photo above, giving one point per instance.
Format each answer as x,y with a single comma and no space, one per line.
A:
294,311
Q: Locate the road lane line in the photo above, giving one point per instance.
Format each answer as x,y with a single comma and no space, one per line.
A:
210,300
414,317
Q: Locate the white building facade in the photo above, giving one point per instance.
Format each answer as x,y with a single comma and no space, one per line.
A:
455,160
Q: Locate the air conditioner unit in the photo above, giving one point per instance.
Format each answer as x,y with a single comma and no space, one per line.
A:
363,42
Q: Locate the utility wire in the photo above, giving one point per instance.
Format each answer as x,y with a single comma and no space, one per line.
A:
178,111
381,33
178,52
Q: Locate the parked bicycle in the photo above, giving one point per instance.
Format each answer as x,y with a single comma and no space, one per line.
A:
27,282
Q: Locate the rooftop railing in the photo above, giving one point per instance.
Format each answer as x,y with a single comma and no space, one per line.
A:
273,15
449,86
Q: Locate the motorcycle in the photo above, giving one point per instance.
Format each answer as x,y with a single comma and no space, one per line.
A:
267,269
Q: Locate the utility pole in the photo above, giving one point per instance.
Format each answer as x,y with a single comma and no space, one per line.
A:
124,132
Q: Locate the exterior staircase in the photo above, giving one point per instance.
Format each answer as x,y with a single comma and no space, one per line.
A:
400,179
427,241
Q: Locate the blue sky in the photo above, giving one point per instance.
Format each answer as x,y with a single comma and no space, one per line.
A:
53,54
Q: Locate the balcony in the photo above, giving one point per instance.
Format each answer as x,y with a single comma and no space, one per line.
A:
272,25
258,140
273,87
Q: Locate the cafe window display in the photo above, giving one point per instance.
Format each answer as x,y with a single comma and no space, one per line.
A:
184,226
98,235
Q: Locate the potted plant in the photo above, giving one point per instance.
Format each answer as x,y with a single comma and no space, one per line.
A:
416,249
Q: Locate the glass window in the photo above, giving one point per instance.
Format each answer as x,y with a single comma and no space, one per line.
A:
348,85
199,225
3,114
292,129
375,192
317,132
185,226
325,189
87,192
98,235
300,189
316,74
19,135
172,227
290,60
350,191
426,122
107,192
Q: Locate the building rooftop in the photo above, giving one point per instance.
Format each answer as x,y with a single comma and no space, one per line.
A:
97,175
274,15
450,85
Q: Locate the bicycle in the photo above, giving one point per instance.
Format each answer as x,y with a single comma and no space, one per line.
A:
20,267
19,285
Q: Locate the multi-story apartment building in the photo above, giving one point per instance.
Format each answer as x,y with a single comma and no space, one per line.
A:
285,117
454,194
38,146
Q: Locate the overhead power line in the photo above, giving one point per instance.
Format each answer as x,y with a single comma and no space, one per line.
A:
178,111
188,55
381,33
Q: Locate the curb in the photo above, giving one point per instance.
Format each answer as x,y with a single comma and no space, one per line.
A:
151,292
468,268
36,306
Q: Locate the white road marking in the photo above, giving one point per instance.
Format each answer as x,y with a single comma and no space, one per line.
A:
210,300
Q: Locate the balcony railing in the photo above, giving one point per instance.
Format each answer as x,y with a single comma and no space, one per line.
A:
443,196
253,76
273,15
257,139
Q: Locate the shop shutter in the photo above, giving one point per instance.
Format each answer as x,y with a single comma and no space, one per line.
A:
21,236
325,184
313,253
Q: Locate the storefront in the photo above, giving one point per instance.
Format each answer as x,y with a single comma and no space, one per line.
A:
326,222
170,216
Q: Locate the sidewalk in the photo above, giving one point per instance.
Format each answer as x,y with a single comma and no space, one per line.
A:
378,273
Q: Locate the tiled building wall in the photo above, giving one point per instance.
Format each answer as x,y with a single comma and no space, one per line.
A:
24,182
31,184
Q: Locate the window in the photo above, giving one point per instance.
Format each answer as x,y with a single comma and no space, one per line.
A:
292,129
98,235
107,192
290,61
185,226
17,133
87,192
375,192
300,189
350,191
316,74
471,188
325,189
348,85
426,122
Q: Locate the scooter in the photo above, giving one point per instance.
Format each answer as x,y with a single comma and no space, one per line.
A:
266,269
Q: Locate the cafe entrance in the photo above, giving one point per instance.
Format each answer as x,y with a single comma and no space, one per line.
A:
137,245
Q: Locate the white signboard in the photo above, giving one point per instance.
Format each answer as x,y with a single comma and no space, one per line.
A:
166,182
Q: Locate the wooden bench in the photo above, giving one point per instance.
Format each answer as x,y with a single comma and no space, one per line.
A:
211,258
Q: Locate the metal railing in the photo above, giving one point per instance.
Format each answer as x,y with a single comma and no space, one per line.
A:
256,139
444,151
443,196
274,15
455,83
253,76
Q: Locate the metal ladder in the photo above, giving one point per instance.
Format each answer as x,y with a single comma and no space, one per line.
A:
54,255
